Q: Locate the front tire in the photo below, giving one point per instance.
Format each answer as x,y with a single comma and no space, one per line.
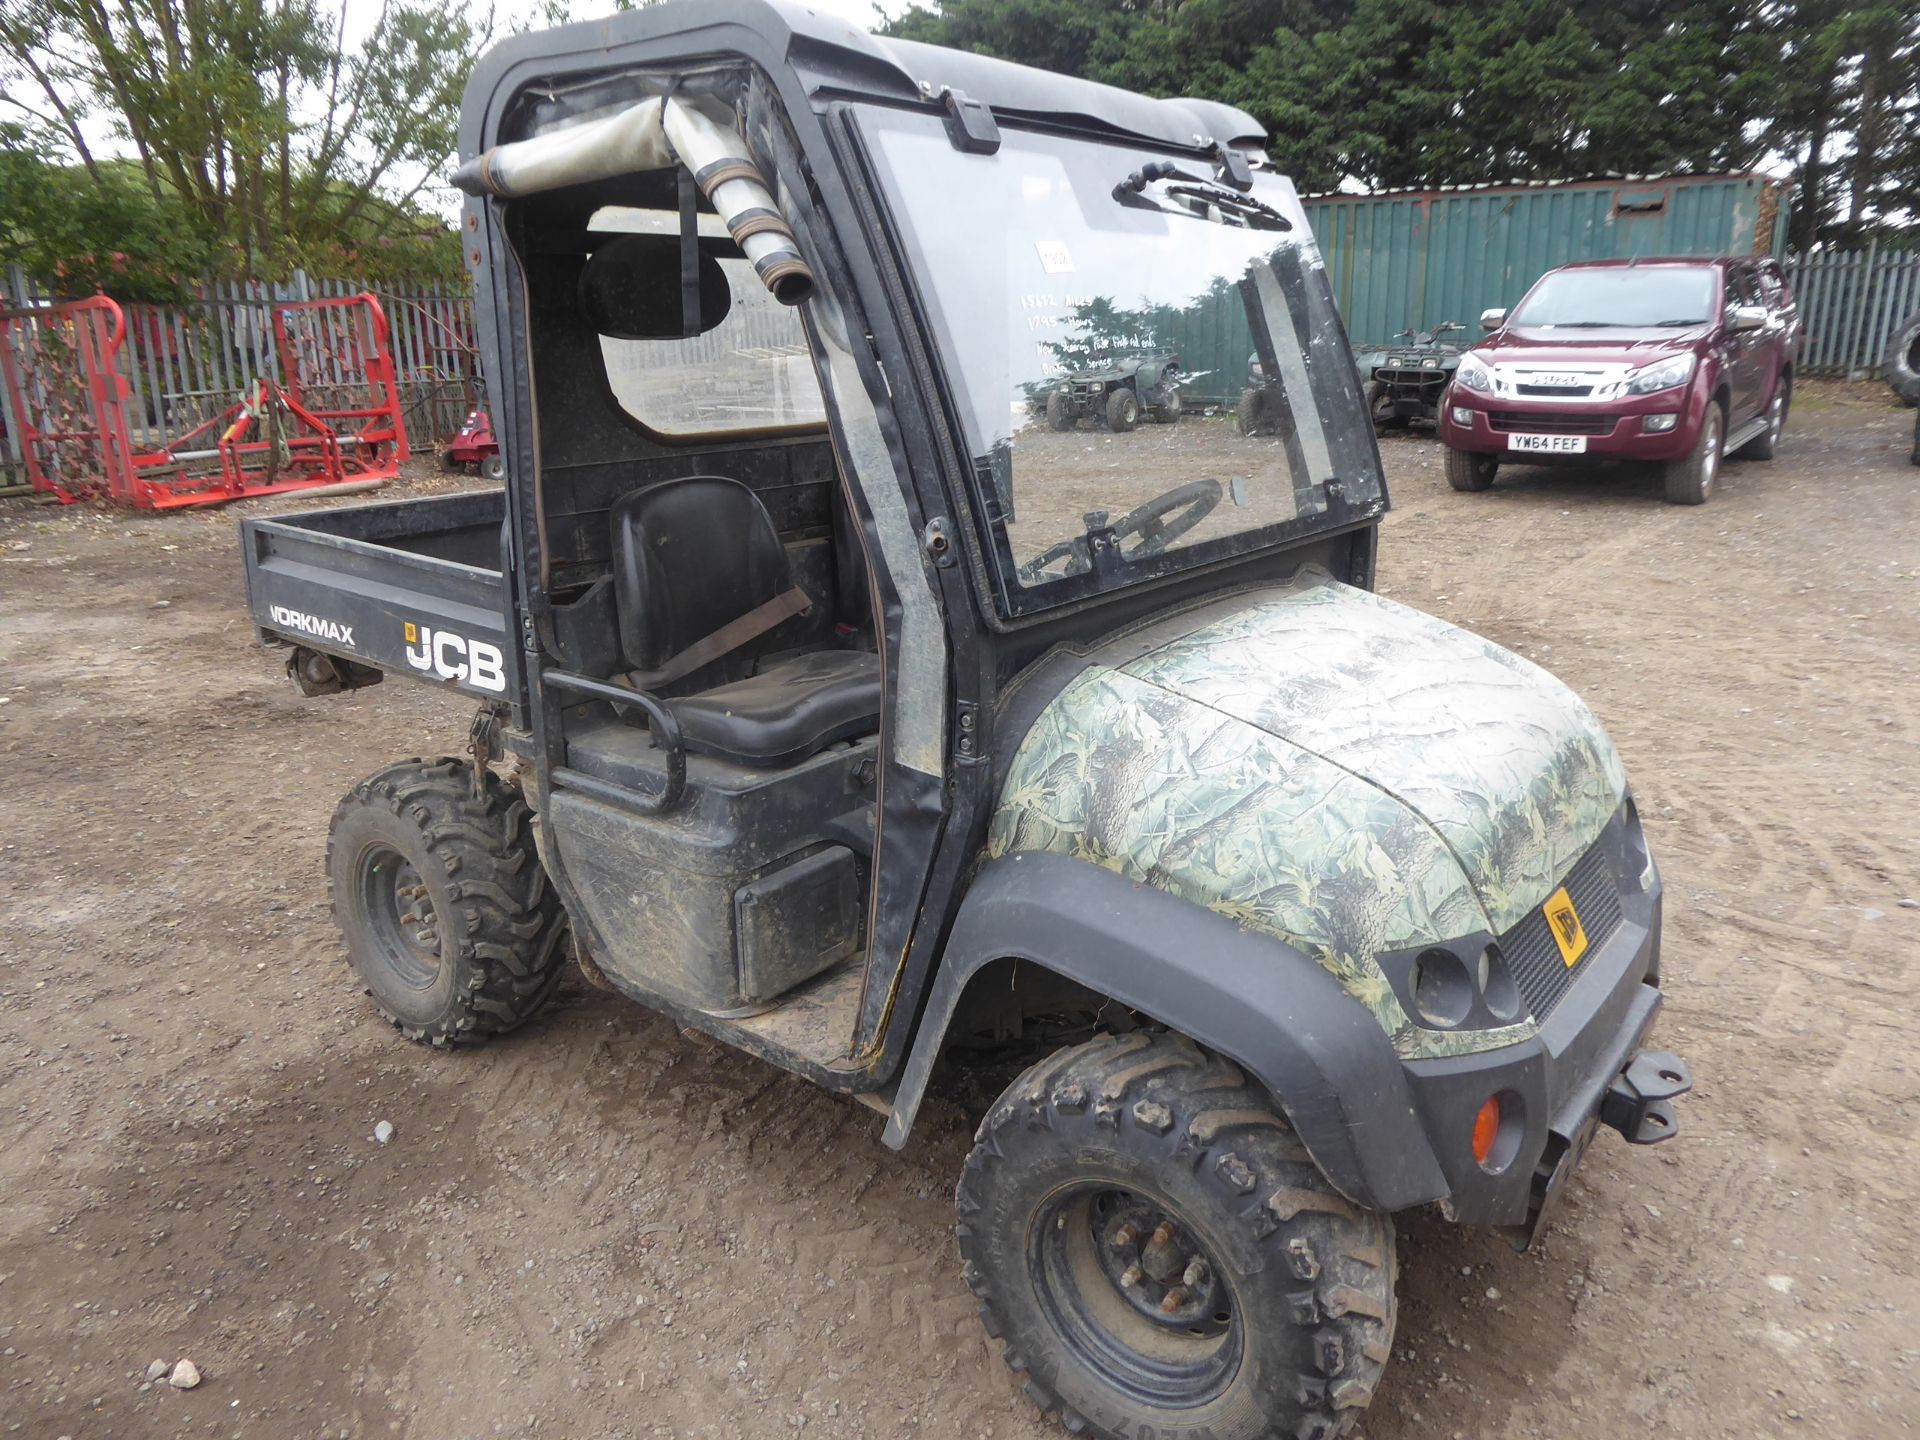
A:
1261,413
449,920
1123,411
1466,471
1160,1255
1689,481
1060,415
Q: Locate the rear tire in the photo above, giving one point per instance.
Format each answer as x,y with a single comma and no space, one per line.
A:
1060,414
1467,471
1169,413
1690,481
1762,446
1123,411
1282,1292
494,467
447,914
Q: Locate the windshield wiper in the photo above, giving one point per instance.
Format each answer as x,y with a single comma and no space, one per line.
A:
1676,324
1194,192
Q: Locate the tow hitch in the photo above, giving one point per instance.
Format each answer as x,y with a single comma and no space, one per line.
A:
1636,1102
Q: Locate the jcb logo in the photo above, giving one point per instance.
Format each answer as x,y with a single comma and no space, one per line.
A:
454,657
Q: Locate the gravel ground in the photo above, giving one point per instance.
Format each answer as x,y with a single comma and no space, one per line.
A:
604,1228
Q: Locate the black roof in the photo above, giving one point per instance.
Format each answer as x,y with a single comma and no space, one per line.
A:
833,55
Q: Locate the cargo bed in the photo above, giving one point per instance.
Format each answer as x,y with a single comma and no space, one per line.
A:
410,587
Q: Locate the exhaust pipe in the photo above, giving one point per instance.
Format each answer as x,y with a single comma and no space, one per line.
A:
653,135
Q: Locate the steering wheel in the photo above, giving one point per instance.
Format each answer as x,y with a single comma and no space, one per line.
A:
1159,522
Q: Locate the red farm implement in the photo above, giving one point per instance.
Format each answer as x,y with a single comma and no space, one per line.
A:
116,407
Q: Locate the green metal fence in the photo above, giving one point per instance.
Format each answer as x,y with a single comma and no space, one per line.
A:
1853,302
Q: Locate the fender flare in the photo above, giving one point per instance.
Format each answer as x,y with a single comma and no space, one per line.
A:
1271,1008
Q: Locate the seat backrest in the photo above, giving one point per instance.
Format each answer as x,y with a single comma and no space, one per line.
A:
689,556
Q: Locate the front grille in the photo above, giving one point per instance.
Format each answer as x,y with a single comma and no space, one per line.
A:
1550,391
1510,421
1543,977
1433,378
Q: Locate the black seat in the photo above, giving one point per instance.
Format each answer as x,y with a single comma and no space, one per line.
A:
698,558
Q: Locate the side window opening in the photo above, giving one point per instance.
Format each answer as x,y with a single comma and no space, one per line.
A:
748,372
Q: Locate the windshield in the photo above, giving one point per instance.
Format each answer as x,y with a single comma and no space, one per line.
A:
1148,364
1632,297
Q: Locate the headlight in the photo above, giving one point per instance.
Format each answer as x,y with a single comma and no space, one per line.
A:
1474,374
1664,376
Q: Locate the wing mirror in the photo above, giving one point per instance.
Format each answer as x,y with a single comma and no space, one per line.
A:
1747,317
1492,319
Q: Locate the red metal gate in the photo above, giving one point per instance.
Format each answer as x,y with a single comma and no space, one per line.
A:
334,416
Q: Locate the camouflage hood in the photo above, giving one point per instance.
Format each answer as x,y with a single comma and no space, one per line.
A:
1338,770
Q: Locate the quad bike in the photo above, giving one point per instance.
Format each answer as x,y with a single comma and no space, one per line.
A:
1288,907
1119,394
1404,383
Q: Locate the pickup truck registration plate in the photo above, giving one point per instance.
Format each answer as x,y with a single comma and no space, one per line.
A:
1549,444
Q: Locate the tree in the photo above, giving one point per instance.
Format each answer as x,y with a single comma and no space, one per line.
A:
253,119
1426,92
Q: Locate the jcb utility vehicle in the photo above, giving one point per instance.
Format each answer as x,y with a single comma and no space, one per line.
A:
831,704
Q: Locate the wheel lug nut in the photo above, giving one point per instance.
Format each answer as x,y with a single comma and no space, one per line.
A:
1173,1300
1195,1274
1125,1235
1130,1277
1163,1233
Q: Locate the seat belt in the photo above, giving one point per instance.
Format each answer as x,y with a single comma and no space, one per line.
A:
728,638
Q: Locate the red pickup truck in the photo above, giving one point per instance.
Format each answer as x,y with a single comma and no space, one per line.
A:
1677,362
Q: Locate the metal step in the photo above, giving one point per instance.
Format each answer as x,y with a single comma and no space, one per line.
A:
1746,434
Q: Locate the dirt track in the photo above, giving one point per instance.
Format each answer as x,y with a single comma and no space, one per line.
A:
602,1228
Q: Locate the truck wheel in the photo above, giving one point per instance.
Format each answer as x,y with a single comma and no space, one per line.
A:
1060,414
448,917
494,467
1471,472
1123,411
1690,481
1901,369
1762,446
1160,1255
1169,412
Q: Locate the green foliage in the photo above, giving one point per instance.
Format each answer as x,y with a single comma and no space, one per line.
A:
255,139
79,233
1425,92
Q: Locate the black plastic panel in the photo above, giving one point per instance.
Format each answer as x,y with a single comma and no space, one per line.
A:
1544,978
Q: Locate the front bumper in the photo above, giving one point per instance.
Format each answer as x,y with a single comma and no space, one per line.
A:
1612,430
1586,1068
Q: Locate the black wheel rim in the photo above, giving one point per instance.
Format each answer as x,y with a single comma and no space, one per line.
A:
401,916
1135,1295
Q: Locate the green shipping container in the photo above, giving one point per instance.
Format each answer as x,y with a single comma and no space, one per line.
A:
1413,259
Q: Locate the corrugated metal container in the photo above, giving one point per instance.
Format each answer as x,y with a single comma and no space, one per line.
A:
1413,259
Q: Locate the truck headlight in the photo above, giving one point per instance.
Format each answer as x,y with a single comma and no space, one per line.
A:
1474,374
1663,376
